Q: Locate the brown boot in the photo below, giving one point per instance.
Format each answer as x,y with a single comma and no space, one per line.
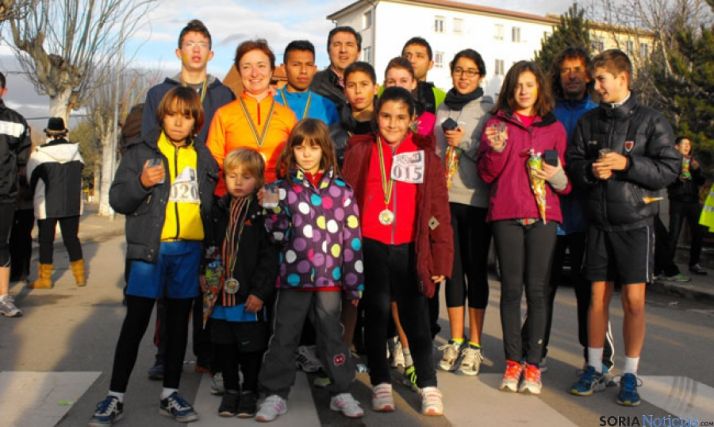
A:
78,272
44,277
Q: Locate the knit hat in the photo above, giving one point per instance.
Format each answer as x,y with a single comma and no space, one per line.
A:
55,126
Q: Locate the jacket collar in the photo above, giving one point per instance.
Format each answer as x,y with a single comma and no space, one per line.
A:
510,117
621,111
575,104
299,177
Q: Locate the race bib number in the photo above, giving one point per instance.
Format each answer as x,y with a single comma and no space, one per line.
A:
409,167
184,189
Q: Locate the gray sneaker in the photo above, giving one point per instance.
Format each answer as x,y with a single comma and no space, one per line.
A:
8,307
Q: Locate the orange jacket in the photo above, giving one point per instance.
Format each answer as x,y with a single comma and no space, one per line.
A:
230,129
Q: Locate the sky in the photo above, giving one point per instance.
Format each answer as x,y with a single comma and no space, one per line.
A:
153,45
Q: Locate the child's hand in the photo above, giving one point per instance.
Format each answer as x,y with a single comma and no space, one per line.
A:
437,279
253,304
453,137
152,175
260,195
355,302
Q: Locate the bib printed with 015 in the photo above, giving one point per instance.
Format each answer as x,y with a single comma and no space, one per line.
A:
184,189
408,167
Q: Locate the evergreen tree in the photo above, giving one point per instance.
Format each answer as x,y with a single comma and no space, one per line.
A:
572,31
684,91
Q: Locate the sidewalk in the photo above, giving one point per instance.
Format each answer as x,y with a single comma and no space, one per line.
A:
95,228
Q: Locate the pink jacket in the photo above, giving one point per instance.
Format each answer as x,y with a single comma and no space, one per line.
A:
511,196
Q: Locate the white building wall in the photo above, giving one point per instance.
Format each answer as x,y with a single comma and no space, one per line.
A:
395,23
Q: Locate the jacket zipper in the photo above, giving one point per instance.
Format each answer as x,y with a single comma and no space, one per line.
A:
604,193
176,209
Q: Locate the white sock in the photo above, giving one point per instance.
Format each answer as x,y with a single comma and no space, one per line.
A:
631,364
166,392
118,395
595,358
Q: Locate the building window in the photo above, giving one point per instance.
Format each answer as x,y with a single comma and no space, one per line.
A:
439,59
597,45
498,32
629,47
499,67
644,50
367,20
516,34
439,24
367,54
458,23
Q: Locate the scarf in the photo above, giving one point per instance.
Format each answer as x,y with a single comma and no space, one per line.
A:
456,101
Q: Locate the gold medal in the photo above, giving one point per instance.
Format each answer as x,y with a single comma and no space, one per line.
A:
386,217
231,286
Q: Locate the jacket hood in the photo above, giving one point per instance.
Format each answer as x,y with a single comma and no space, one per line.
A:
60,151
176,80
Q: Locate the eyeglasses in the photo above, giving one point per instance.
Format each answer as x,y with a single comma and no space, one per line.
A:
191,45
469,72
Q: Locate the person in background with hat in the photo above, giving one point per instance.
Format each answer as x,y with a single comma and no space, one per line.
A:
55,171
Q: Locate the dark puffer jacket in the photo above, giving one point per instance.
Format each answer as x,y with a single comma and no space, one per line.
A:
145,208
14,151
645,137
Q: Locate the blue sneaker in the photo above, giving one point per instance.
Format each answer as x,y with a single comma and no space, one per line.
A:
176,407
628,395
107,413
589,382
607,376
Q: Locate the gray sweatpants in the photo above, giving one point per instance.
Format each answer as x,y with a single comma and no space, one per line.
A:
292,307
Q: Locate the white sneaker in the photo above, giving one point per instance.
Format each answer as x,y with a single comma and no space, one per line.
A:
346,404
431,402
270,408
471,359
396,353
217,388
450,358
306,359
8,307
382,399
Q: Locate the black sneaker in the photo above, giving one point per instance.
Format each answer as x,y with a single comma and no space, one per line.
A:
107,413
248,405
176,407
697,269
229,404
156,372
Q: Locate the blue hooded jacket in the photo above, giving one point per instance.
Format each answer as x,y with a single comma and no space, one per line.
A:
572,205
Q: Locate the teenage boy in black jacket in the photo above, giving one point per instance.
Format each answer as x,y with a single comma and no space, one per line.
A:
623,156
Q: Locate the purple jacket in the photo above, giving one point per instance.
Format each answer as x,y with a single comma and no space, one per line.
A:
511,195
320,231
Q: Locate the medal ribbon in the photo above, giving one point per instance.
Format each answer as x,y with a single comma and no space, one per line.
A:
251,123
307,104
387,184
238,213
204,86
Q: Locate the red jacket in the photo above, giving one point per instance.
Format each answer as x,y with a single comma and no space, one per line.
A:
434,240
511,195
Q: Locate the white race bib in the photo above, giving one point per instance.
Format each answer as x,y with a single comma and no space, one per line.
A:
184,189
409,167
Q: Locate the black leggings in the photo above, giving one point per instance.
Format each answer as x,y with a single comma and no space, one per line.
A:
21,244
231,359
678,213
70,227
525,254
472,237
390,275
7,211
138,314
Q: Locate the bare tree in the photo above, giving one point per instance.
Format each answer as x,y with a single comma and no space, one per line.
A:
60,44
121,94
14,8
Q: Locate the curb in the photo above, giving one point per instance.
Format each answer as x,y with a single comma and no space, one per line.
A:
685,290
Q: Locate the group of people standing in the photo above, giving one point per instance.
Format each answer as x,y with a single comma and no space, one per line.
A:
347,206
44,183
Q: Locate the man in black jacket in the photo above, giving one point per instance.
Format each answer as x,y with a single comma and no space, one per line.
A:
622,156
14,151
343,45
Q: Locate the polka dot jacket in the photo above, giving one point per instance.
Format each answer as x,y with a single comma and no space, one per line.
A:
320,233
